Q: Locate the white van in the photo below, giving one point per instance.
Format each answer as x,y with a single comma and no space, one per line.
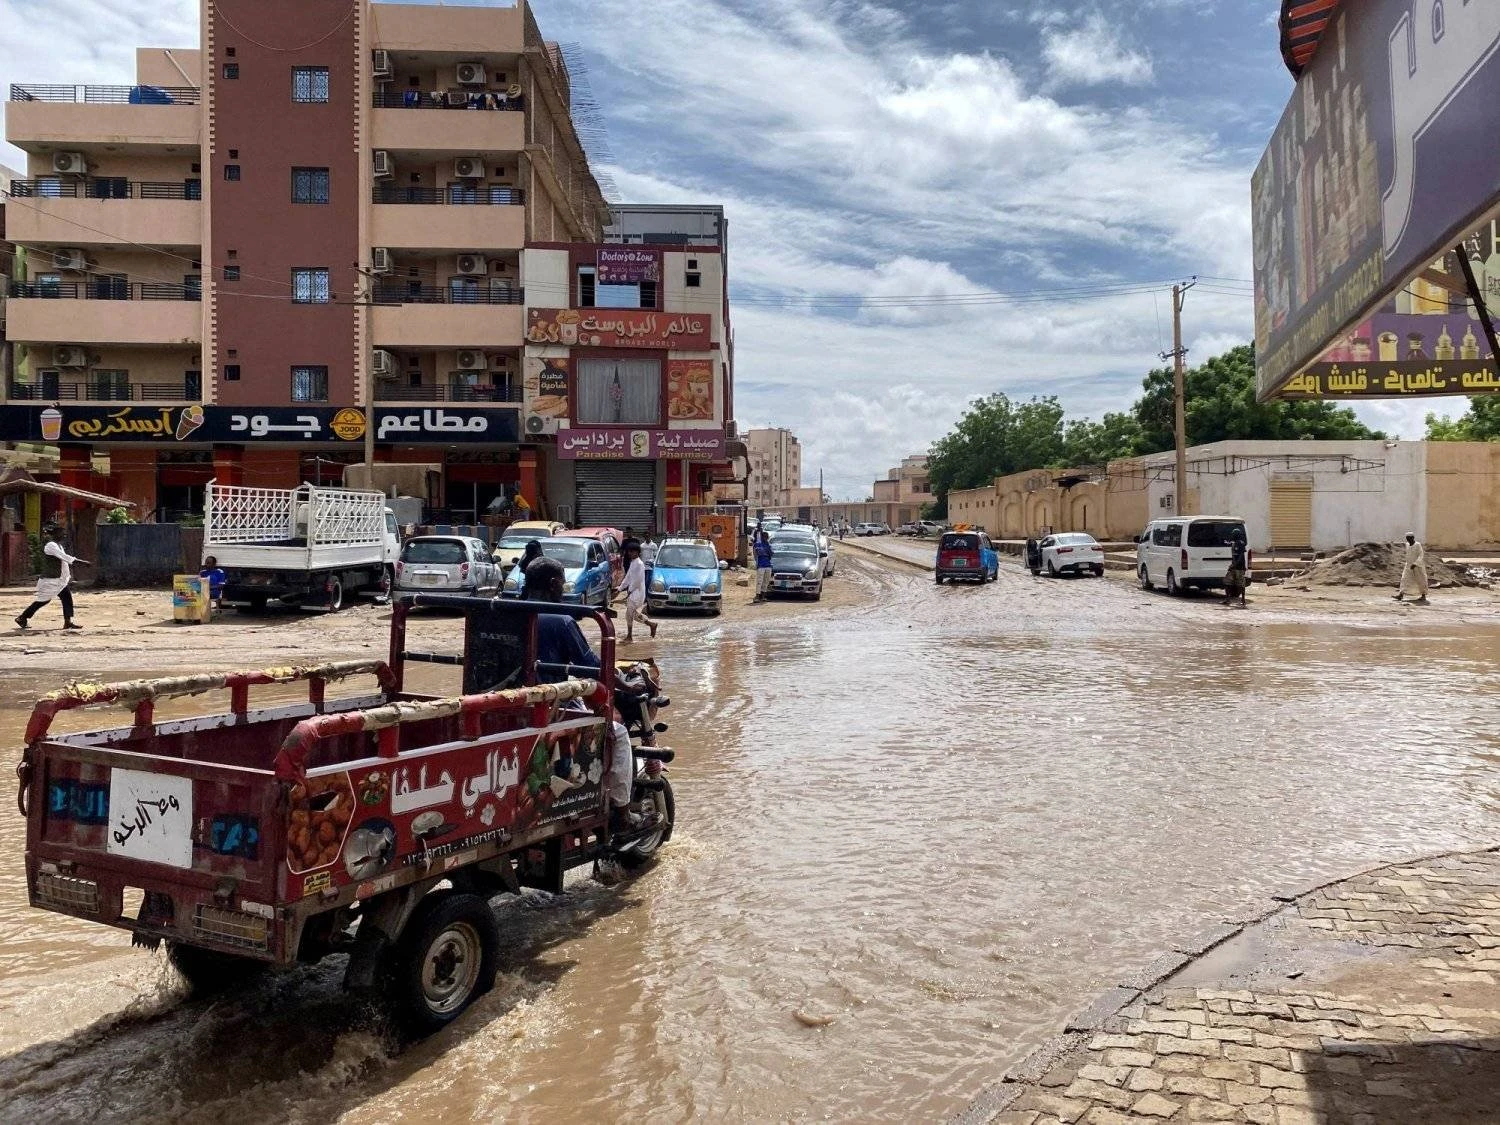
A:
1189,551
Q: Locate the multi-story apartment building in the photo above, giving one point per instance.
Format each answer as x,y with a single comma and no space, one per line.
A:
908,483
629,366
305,231
775,466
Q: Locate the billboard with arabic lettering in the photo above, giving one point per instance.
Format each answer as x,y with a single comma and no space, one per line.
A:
299,425
1382,161
619,328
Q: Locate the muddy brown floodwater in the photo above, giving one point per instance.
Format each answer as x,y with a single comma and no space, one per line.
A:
942,817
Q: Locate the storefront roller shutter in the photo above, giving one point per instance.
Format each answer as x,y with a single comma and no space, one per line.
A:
1291,514
615,494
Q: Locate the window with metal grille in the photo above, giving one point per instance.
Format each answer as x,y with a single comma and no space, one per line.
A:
309,83
310,287
310,384
309,185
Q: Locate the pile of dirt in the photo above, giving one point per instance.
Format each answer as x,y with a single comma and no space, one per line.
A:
1379,564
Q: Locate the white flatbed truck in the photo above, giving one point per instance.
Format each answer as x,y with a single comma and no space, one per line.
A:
307,546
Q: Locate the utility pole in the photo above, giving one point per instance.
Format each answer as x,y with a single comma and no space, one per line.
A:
1179,396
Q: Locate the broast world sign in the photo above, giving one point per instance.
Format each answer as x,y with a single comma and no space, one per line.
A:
619,328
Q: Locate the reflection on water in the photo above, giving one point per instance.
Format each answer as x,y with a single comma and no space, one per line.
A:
944,822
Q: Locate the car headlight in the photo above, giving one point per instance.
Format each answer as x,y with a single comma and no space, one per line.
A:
711,585
658,586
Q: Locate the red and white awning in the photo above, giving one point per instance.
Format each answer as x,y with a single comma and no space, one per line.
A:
1302,25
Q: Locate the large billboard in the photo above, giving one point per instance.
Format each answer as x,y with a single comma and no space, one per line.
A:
1382,161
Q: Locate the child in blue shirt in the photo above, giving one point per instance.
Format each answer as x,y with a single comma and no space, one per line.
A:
216,580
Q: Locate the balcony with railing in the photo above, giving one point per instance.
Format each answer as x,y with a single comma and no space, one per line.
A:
104,311
435,317
105,211
106,390
486,125
480,293
455,389
455,218
44,117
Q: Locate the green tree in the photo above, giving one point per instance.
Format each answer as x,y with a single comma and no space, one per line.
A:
1480,423
994,437
1221,406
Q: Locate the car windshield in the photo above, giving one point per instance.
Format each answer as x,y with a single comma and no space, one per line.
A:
569,554
960,543
1076,541
517,542
688,558
1211,533
444,552
794,547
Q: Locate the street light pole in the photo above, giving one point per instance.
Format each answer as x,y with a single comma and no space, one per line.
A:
1179,398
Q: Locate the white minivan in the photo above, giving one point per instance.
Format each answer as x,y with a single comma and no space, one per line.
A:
1186,552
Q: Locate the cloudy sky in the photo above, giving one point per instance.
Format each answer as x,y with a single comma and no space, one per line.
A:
877,151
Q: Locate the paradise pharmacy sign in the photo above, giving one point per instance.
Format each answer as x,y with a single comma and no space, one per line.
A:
1383,160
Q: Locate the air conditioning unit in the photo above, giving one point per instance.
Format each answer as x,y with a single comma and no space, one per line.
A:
471,74
383,65
471,265
385,167
70,259
382,363
380,260
537,425
70,355
469,168
469,361
71,163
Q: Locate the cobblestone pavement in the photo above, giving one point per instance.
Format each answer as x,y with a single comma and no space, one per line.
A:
1399,1023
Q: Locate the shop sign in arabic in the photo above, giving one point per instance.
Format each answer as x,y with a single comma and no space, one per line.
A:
628,267
619,328
1402,379
249,425
604,444
1380,163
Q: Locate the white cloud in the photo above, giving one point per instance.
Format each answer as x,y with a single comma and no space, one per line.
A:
1092,54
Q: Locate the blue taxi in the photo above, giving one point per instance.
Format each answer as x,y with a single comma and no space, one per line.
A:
687,574
585,571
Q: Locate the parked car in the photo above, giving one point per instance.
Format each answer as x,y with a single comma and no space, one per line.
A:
687,575
968,555
611,539
811,535
447,564
513,540
585,571
1071,552
867,529
796,567
1189,552
931,527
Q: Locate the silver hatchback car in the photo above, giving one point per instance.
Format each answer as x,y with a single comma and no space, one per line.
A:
448,564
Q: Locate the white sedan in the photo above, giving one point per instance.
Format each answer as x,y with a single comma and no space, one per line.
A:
1073,552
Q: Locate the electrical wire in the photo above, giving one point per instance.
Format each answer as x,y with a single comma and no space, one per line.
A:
219,13
854,301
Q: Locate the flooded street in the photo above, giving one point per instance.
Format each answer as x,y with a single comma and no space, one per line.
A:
943,818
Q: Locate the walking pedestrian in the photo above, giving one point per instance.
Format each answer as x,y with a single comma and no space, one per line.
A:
762,567
634,590
55,580
1414,571
1238,578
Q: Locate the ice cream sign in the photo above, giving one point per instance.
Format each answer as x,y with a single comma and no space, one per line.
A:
297,425
619,328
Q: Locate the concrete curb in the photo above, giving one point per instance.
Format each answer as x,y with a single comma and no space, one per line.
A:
865,549
1107,1005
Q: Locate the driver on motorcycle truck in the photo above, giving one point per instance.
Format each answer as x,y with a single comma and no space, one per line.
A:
560,641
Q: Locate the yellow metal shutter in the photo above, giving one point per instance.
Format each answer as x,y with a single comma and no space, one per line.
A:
1291,514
